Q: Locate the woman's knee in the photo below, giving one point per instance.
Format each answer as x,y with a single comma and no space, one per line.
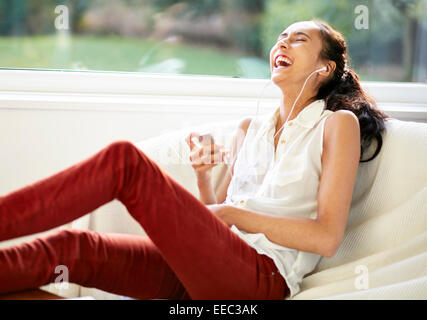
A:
126,151
122,146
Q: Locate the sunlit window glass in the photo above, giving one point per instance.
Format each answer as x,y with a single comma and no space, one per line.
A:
231,38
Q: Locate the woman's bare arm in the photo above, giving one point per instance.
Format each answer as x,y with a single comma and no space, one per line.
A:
204,172
235,148
340,160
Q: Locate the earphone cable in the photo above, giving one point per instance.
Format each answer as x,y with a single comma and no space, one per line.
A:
296,100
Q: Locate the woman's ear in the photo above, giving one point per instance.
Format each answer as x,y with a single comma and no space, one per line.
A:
330,68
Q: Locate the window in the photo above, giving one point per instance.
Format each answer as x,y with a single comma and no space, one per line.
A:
387,38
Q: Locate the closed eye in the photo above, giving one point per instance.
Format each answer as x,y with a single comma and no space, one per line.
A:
299,39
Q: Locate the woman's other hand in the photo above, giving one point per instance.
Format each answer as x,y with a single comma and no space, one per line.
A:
204,153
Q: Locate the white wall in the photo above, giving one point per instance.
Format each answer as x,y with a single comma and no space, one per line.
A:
50,120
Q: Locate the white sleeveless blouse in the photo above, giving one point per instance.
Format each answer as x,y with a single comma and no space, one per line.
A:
282,183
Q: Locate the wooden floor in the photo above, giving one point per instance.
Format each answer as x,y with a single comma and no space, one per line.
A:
35,294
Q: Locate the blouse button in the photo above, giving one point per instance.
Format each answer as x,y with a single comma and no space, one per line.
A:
290,124
283,141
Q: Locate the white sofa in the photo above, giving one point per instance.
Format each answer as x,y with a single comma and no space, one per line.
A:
384,251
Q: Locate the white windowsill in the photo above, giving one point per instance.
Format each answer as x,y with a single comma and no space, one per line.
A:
33,89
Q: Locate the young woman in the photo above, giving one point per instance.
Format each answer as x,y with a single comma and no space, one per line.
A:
273,219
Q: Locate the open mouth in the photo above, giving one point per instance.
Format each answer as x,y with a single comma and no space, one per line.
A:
282,61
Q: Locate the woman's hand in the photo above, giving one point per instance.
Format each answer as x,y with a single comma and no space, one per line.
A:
204,153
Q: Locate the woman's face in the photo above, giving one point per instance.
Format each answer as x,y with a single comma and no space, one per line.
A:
296,54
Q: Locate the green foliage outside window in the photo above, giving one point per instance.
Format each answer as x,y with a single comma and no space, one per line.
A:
212,37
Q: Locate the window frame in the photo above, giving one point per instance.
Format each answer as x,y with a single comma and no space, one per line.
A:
138,91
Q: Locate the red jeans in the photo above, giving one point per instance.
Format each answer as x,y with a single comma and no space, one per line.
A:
189,253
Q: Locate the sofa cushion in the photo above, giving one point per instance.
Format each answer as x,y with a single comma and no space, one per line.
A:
383,252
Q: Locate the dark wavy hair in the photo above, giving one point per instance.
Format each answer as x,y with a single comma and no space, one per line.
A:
343,91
